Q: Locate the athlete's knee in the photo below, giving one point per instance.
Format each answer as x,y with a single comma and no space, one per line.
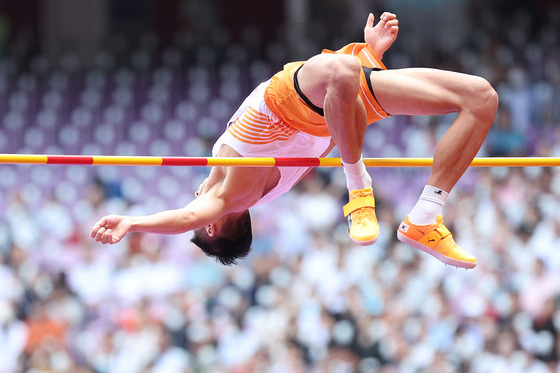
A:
484,98
488,95
344,75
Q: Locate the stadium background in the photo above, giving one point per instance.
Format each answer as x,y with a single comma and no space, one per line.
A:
157,77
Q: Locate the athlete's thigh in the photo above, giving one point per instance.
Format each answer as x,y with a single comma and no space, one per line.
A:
422,91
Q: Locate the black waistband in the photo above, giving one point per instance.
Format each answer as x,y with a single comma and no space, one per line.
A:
367,72
314,107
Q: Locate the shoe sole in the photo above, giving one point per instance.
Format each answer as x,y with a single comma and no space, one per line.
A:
447,260
364,243
358,242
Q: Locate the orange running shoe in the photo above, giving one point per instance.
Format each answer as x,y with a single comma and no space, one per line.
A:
363,228
436,240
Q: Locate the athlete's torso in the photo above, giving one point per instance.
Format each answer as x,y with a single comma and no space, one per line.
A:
271,174
255,131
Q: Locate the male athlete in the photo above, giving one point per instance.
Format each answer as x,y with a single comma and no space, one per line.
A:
305,110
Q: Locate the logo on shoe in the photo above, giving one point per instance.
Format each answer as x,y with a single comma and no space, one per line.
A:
404,227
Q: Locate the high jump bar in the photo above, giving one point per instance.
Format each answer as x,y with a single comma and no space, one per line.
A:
103,160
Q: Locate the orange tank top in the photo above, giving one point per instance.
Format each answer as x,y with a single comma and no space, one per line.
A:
282,98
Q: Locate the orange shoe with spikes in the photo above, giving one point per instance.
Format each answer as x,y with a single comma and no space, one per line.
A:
436,240
363,228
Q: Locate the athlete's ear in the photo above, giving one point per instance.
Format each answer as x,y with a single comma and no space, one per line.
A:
211,230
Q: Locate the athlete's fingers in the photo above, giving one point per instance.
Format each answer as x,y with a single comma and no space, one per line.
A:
98,225
392,23
108,237
94,230
387,16
104,235
393,32
201,188
99,234
392,28
370,20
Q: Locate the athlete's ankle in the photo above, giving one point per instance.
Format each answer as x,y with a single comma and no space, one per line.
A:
429,206
357,176
422,219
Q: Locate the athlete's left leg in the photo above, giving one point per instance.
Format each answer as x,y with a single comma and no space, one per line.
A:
332,82
434,92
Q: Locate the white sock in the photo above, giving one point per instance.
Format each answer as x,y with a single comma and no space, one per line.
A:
357,176
429,205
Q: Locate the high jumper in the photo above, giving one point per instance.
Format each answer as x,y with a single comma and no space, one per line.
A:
304,111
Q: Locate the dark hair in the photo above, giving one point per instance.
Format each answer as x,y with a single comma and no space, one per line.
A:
234,241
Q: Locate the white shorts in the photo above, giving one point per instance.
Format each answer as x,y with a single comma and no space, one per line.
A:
255,131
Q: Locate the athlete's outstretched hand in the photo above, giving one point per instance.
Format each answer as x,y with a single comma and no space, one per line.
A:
110,229
381,36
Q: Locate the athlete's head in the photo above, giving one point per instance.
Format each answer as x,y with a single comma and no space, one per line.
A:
227,240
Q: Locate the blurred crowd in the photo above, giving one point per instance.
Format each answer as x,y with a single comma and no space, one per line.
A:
306,299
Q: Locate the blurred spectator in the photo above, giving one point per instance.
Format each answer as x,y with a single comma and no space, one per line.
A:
503,139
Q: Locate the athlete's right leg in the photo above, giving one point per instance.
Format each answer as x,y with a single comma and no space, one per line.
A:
332,82
436,92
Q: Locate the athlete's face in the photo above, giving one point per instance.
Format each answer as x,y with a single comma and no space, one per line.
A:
213,228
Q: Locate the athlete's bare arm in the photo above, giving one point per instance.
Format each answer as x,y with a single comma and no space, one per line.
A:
226,190
381,36
200,212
